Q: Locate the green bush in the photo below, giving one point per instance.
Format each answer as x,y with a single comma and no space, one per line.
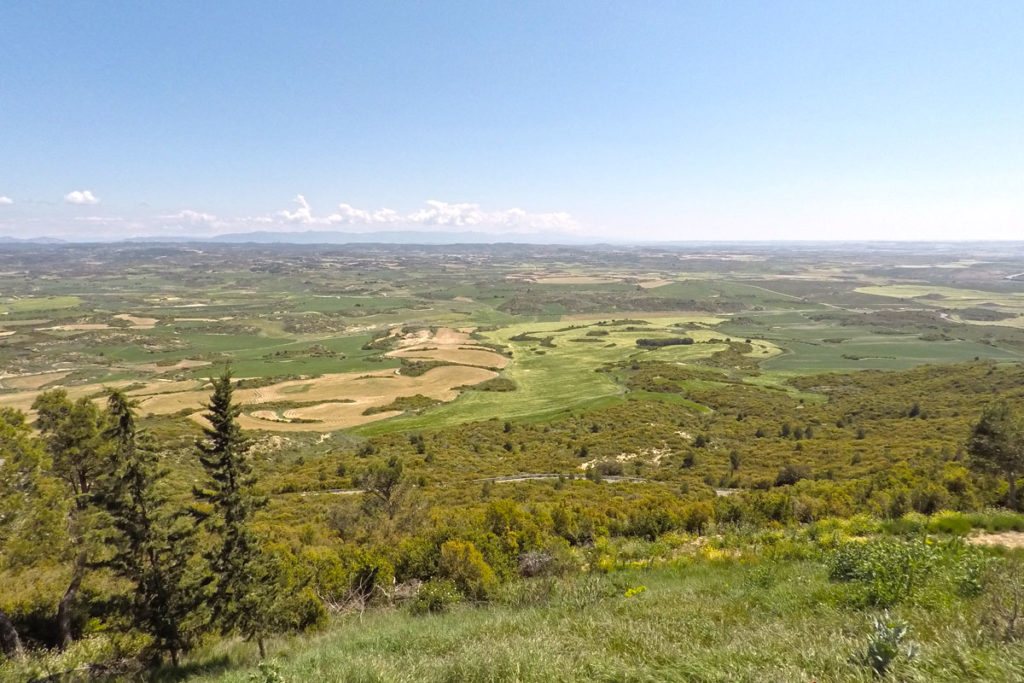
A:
953,523
435,596
995,521
886,572
463,564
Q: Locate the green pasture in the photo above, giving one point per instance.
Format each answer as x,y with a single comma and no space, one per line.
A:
31,304
949,297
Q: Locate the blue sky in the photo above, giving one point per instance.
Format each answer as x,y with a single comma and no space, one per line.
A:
721,120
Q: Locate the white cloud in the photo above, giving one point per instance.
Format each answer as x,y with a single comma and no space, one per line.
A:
434,214
190,217
5,201
81,197
303,215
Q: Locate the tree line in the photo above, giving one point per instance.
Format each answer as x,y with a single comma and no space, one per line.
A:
90,491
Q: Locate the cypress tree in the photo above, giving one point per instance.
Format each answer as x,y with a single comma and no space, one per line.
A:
240,581
151,542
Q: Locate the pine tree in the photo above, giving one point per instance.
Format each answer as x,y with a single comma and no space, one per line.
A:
72,436
33,510
997,445
151,542
241,582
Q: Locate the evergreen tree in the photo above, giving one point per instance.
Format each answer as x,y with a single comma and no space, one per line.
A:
72,434
33,510
997,445
241,582
151,543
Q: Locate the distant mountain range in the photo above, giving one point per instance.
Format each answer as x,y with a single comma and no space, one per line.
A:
32,240
335,237
386,237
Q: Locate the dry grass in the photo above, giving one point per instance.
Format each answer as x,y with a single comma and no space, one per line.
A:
324,394
136,322
30,382
449,345
23,400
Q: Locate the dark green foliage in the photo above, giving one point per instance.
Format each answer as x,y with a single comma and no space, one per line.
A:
791,474
415,368
150,541
493,384
385,487
240,583
667,341
72,434
415,403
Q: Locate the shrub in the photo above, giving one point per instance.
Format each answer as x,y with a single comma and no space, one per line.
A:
535,563
950,523
791,474
886,571
462,563
435,596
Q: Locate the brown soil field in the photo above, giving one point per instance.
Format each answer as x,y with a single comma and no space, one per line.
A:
166,387
138,323
652,284
365,390
449,345
23,400
32,381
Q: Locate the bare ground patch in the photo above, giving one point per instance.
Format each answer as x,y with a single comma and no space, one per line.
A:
138,323
1007,539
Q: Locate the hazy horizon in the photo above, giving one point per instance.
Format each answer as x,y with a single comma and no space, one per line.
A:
623,123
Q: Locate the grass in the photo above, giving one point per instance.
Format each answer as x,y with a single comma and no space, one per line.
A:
948,297
30,304
708,621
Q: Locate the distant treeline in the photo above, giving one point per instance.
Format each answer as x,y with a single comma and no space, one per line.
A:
668,341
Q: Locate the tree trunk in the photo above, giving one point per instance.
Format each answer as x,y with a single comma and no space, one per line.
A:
1012,495
263,649
9,640
64,607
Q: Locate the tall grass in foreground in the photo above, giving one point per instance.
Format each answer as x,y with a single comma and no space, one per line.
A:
713,620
